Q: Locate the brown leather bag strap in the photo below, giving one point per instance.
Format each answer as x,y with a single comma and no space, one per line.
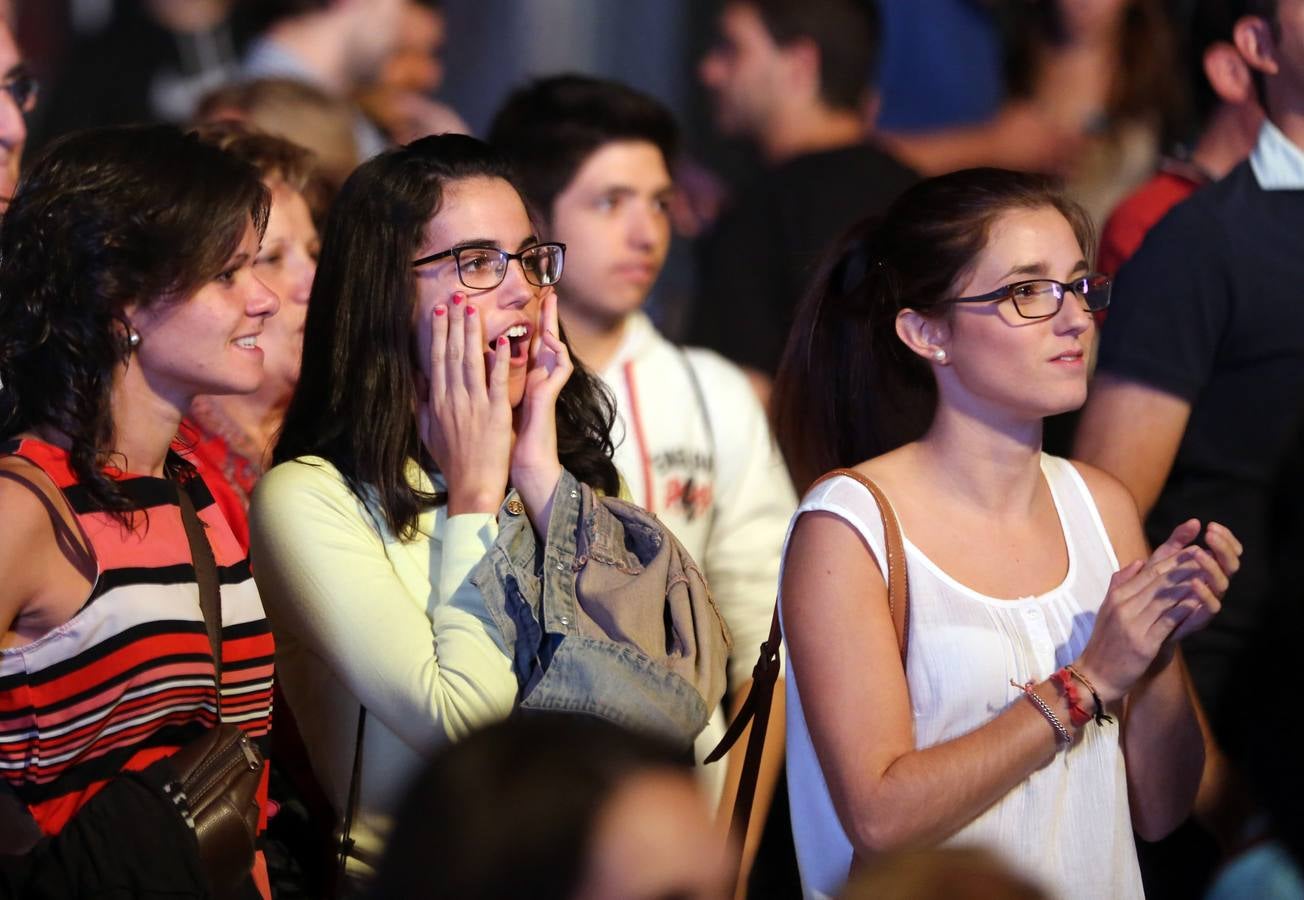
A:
210,602
756,706
898,579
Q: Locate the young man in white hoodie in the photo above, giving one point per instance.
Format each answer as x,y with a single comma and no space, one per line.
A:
692,442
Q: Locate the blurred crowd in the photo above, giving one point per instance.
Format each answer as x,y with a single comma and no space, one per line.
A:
460,472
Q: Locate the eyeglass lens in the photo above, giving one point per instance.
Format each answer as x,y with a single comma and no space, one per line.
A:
482,268
1042,299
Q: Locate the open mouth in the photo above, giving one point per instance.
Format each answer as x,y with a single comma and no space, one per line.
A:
518,338
248,342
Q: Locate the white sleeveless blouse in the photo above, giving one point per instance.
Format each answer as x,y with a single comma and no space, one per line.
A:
1067,826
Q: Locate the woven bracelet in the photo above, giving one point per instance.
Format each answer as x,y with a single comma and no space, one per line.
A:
1100,716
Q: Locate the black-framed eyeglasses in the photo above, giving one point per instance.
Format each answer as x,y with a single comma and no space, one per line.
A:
22,87
484,268
1042,298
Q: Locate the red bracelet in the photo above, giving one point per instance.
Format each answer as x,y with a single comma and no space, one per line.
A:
1077,715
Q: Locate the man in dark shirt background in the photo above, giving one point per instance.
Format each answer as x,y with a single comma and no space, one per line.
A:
793,77
1199,389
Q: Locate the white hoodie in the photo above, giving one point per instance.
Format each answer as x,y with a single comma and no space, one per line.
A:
693,446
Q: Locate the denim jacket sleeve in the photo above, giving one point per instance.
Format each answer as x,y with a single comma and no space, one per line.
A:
610,616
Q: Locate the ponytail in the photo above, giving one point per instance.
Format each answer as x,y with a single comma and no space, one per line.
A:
848,388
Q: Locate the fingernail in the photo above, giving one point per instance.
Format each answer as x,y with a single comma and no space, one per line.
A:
440,310
457,299
470,310
502,341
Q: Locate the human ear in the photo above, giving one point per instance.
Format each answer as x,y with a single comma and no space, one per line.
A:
926,336
1252,36
1228,74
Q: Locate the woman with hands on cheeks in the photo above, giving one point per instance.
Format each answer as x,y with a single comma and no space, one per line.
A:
1042,710
434,376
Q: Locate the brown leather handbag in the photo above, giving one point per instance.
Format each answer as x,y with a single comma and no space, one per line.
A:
217,774
766,672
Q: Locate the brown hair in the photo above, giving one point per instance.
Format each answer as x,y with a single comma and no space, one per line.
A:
848,388
104,218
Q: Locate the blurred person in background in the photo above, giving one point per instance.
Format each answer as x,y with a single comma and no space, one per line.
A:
18,90
230,438
789,76
301,114
555,807
337,46
1091,89
940,873
401,99
151,63
1201,364
692,443
1227,109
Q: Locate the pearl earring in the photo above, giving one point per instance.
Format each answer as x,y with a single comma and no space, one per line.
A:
133,338
939,355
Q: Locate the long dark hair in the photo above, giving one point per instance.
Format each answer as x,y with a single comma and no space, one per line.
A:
106,217
848,388
354,403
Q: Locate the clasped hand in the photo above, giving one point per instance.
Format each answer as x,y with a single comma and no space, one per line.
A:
1153,604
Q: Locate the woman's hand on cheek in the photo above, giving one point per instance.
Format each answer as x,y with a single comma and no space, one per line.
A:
535,466
468,423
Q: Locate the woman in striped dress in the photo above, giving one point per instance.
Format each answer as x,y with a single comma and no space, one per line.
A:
126,289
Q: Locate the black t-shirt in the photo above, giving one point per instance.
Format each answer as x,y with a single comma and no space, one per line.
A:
1211,309
758,261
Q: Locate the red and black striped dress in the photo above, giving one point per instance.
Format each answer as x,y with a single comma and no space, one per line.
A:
130,677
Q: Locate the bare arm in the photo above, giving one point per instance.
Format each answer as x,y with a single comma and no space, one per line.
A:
1132,431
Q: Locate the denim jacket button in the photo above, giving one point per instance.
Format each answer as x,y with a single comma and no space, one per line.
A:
515,507
574,494
561,567
565,620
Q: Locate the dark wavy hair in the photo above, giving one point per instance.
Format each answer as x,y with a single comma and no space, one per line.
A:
105,218
354,402
848,387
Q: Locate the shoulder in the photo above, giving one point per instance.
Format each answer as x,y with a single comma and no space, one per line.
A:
30,502
296,485
1115,503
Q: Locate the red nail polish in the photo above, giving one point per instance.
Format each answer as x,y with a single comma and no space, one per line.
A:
502,341
457,299
440,310
470,310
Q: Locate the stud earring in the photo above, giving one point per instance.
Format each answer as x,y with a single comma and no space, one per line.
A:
939,355
133,338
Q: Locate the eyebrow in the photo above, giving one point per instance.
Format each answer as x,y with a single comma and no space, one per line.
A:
491,244
1040,269
18,68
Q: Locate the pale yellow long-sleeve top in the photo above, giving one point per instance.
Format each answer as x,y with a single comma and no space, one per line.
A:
361,617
